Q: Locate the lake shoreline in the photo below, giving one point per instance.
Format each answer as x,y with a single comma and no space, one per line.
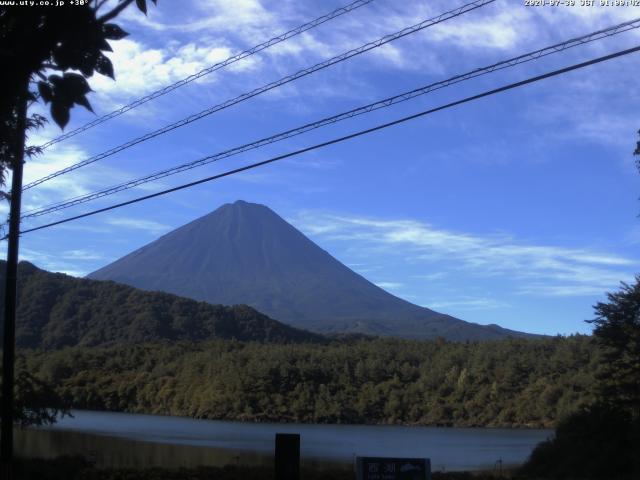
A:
286,421
135,440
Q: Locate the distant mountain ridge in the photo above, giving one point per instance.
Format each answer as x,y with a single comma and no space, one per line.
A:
244,253
56,311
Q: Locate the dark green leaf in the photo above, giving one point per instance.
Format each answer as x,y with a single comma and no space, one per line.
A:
60,113
84,102
142,5
55,80
113,31
104,45
62,92
35,121
64,57
104,66
32,150
76,84
89,61
46,93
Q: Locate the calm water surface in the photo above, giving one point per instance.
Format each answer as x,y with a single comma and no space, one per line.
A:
132,440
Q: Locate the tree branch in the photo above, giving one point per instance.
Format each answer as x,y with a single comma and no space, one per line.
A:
50,66
115,12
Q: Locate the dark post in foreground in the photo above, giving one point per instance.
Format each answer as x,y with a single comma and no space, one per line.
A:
10,298
287,456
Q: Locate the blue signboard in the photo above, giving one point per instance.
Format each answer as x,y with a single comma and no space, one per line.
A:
381,468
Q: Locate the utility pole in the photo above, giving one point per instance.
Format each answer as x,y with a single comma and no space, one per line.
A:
10,293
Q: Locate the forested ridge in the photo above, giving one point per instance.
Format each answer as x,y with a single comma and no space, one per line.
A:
513,382
57,310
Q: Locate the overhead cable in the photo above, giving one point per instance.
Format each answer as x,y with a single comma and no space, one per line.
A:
360,133
206,71
387,102
289,78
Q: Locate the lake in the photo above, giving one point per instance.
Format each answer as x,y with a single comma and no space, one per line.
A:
133,440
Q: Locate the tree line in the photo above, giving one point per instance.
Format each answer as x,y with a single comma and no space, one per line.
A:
506,383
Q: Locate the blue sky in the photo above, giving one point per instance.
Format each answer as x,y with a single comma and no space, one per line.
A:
519,209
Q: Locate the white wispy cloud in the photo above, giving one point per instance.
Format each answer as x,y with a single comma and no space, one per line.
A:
539,269
239,17
87,255
247,18
149,226
189,45
141,69
76,263
502,31
390,285
58,157
430,276
560,290
469,303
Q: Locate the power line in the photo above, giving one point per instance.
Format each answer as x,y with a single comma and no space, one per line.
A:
346,137
206,71
289,78
387,102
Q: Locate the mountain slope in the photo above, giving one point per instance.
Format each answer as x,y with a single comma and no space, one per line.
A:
245,253
56,310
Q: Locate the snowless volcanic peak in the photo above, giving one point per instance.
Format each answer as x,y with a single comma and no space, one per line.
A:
244,253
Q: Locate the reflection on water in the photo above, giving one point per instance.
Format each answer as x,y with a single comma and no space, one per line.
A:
129,440
117,452
122,452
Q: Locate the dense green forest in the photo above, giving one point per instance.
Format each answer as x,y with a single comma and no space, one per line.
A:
105,346
56,310
510,382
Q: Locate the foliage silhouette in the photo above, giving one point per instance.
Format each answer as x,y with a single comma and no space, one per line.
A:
597,443
617,332
36,401
601,441
50,45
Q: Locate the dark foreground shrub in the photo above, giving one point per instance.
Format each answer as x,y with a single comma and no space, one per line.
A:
598,443
71,468
77,468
